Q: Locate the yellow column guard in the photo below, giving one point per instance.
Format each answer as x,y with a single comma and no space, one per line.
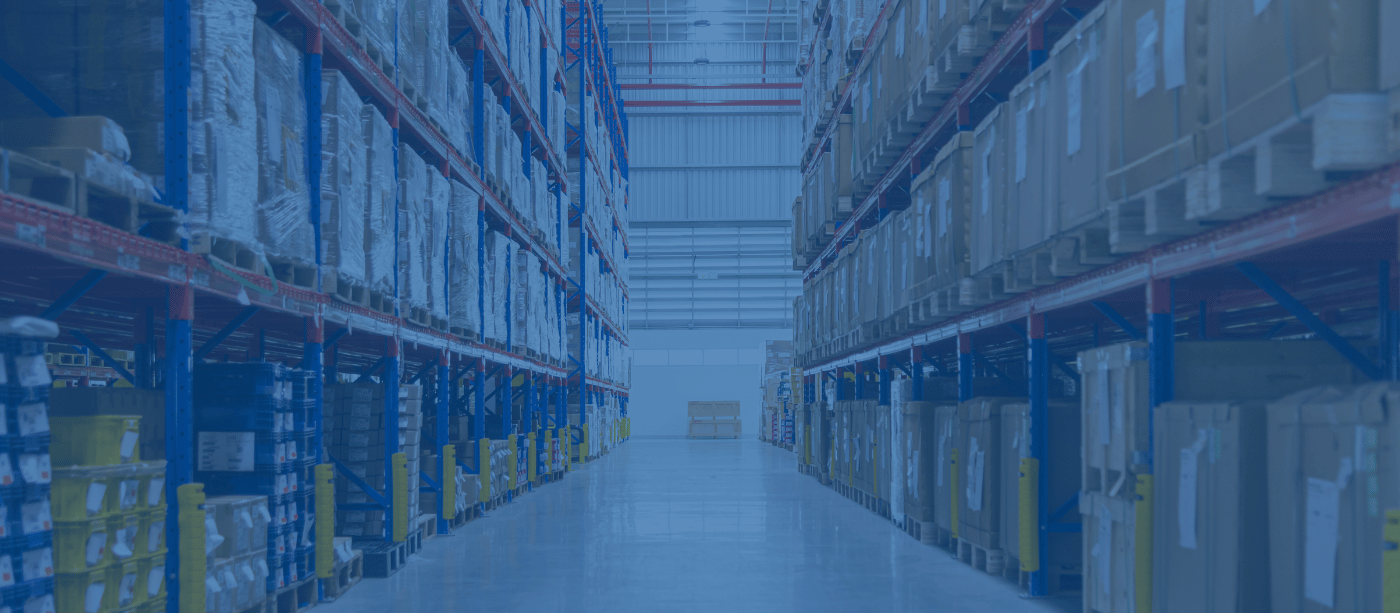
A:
400,499
325,520
192,554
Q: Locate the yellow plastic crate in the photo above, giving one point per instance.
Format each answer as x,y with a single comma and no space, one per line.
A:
150,537
136,486
80,546
82,493
73,592
151,570
125,589
94,440
151,494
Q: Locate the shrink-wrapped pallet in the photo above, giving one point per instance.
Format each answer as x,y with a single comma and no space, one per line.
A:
465,285
979,470
948,207
413,205
435,213
1029,220
499,251
377,18
283,205
91,63
457,122
990,177
343,183
380,197
1078,150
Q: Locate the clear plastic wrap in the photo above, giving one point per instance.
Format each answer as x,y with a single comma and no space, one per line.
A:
412,46
379,204
377,19
436,55
498,260
465,276
413,191
459,94
343,183
435,240
283,205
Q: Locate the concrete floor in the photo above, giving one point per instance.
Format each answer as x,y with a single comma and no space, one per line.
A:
680,525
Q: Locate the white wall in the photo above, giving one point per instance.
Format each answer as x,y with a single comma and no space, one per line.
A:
672,367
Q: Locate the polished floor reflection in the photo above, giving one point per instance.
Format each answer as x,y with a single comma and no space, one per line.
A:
678,525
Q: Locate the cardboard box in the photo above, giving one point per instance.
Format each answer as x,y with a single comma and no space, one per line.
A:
979,468
1331,467
241,521
1110,542
919,448
96,133
1208,502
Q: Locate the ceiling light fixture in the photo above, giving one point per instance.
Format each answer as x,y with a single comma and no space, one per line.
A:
702,23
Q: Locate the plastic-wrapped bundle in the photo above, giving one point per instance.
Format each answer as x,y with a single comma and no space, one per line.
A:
103,63
459,100
412,46
283,206
498,258
465,284
521,291
436,55
342,178
435,239
490,149
377,18
379,204
413,191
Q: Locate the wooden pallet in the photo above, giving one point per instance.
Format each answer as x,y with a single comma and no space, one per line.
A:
381,302
987,560
382,559
46,184
344,289
292,272
299,596
344,575
231,253
55,187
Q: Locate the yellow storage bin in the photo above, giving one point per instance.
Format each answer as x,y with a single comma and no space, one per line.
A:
151,573
125,587
131,486
150,536
74,591
82,492
80,546
94,440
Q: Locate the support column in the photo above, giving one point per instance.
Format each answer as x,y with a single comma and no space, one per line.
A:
314,339
446,471
391,427
859,392
1389,319
179,421
885,380
964,366
1161,356
479,409
1033,470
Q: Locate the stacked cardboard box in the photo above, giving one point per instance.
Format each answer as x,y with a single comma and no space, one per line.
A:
354,415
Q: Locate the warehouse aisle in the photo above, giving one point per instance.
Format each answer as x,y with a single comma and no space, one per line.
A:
678,525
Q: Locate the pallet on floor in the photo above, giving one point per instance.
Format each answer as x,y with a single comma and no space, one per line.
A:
382,559
343,288
988,560
344,575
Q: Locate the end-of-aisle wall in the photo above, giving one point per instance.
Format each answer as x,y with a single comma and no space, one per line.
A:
673,367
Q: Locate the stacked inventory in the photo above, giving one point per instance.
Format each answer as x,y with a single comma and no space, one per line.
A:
249,432
777,392
27,560
355,434
239,540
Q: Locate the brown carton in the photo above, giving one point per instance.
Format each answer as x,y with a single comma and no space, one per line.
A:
979,471
1210,540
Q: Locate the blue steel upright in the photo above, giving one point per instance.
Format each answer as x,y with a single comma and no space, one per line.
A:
391,427
1038,363
444,412
916,373
1161,354
965,390
179,341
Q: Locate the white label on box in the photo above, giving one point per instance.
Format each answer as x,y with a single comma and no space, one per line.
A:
32,371
124,543
33,418
126,590
96,492
7,474
92,599
211,584
4,526
226,451
36,517
128,493
155,580
262,512
38,563
1074,101
974,476
154,490
153,536
7,571
987,169
1320,535
96,548
128,445
34,468
280,452
4,378
281,484
212,538
1145,73
281,514
1186,492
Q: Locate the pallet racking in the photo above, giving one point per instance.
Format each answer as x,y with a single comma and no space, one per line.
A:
113,288
1261,276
